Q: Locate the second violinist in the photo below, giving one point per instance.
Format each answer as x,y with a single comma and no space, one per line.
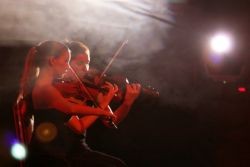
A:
80,59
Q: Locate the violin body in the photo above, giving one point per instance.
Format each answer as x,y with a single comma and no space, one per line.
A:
73,92
94,86
121,82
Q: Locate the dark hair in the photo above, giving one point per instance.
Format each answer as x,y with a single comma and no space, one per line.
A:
37,57
76,48
46,49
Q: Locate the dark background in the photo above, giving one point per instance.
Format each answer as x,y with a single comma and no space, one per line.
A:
200,119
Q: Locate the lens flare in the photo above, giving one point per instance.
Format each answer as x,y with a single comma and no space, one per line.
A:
221,43
46,132
18,151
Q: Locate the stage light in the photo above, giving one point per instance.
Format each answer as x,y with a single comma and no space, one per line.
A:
221,43
18,151
242,89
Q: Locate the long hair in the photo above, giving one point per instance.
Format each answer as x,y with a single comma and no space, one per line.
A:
22,108
36,58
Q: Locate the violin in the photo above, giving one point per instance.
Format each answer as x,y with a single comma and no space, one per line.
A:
94,84
92,77
88,86
77,92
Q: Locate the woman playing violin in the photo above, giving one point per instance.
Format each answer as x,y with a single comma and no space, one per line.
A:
80,64
53,138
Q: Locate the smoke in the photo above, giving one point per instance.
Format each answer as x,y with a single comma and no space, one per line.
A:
103,25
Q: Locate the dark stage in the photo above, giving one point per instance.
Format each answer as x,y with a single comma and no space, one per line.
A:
201,118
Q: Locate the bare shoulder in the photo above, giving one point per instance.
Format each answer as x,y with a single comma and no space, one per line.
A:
43,90
43,96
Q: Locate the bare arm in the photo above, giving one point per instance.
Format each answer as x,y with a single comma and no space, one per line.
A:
132,92
49,97
83,123
79,125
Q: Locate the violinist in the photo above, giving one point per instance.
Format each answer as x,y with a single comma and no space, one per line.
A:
80,59
52,139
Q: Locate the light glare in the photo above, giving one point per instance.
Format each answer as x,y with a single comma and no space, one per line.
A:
221,43
18,151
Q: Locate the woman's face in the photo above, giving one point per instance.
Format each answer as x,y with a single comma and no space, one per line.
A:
80,63
61,63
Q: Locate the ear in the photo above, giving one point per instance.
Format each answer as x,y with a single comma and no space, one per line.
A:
51,61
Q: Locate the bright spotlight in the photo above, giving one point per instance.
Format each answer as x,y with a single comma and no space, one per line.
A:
18,151
221,43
